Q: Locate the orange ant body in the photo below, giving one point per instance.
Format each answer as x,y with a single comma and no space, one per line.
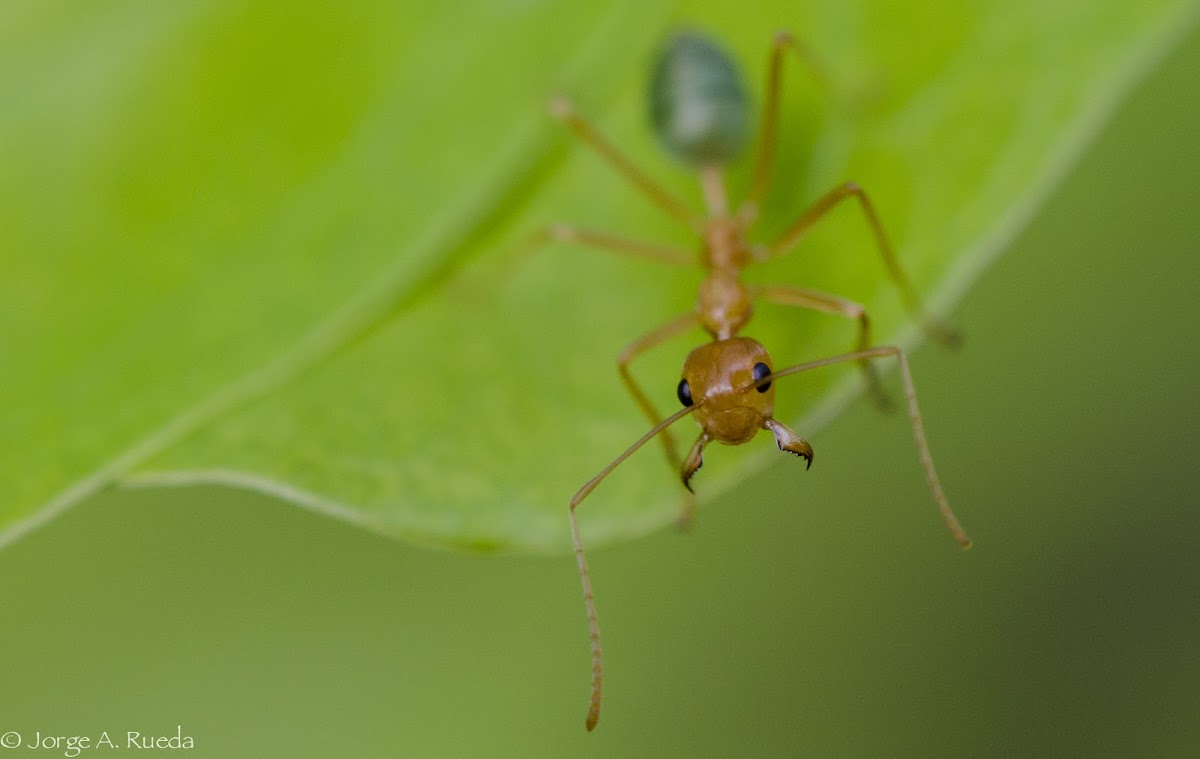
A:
700,111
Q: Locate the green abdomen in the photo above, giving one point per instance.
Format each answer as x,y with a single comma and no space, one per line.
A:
698,103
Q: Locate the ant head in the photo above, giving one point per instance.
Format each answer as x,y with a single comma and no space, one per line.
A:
718,378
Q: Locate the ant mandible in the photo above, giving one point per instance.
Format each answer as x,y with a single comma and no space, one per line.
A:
700,112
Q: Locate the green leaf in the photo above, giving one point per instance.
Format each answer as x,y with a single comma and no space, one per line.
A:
278,250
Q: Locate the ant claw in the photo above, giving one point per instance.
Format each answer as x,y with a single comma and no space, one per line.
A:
806,453
790,442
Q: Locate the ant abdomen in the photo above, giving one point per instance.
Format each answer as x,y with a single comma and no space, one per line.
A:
698,103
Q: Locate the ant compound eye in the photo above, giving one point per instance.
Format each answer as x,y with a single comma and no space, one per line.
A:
761,370
684,391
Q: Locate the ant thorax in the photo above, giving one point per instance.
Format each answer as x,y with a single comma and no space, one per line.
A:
724,303
724,243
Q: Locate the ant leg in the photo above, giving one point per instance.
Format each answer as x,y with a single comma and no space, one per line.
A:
561,109
667,254
519,254
802,297
914,417
589,598
644,343
765,159
932,326
687,508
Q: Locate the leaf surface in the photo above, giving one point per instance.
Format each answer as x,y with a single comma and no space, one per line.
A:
279,250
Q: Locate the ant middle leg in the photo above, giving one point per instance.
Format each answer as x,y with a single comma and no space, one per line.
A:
651,251
932,326
802,297
519,255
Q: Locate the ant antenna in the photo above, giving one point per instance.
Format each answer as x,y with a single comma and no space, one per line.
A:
914,416
593,714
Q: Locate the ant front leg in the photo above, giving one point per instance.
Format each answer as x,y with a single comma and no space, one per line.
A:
933,327
802,297
644,343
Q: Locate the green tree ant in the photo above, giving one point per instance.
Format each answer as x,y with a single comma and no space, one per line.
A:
700,112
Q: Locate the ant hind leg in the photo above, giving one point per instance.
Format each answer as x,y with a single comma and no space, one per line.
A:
765,159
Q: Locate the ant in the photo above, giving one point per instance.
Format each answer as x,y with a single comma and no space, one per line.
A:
700,112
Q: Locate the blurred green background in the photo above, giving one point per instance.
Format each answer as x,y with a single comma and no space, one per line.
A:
812,613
